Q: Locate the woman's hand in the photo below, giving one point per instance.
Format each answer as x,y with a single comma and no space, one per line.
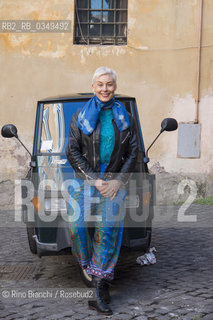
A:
108,189
99,184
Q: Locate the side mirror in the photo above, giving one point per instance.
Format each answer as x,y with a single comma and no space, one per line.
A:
168,124
9,131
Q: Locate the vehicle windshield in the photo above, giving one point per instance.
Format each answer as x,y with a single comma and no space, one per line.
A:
55,124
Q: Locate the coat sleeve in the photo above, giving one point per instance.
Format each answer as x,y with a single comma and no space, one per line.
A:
131,155
74,153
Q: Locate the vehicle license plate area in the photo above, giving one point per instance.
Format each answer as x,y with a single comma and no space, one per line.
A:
132,201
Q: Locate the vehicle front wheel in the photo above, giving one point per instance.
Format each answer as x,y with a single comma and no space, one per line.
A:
31,240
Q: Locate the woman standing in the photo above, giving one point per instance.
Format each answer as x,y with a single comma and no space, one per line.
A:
102,149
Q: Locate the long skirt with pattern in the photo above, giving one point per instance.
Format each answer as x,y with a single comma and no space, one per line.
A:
87,206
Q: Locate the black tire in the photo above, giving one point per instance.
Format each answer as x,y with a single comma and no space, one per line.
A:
87,279
142,244
149,238
31,240
147,241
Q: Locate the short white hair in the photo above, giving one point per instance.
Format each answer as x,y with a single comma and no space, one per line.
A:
104,70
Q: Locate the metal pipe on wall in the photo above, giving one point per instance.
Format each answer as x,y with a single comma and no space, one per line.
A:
199,60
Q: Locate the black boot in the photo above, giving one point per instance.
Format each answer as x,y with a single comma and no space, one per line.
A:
99,304
105,292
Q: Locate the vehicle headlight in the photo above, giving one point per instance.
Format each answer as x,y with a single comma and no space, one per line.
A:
55,204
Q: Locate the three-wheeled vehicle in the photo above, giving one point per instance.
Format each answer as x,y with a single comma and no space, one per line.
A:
44,190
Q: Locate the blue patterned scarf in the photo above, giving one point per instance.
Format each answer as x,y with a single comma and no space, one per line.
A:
89,115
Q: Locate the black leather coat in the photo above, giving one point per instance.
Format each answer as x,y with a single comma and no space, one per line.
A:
83,152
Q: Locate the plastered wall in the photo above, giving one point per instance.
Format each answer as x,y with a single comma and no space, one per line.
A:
158,66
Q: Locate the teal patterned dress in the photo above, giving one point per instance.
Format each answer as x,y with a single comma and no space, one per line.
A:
98,255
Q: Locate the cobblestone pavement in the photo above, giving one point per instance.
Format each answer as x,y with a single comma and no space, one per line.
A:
179,286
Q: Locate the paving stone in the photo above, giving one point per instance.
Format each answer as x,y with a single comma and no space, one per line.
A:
208,316
79,315
190,316
161,311
7,313
118,316
67,313
208,309
206,295
97,317
163,317
209,302
148,308
141,318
